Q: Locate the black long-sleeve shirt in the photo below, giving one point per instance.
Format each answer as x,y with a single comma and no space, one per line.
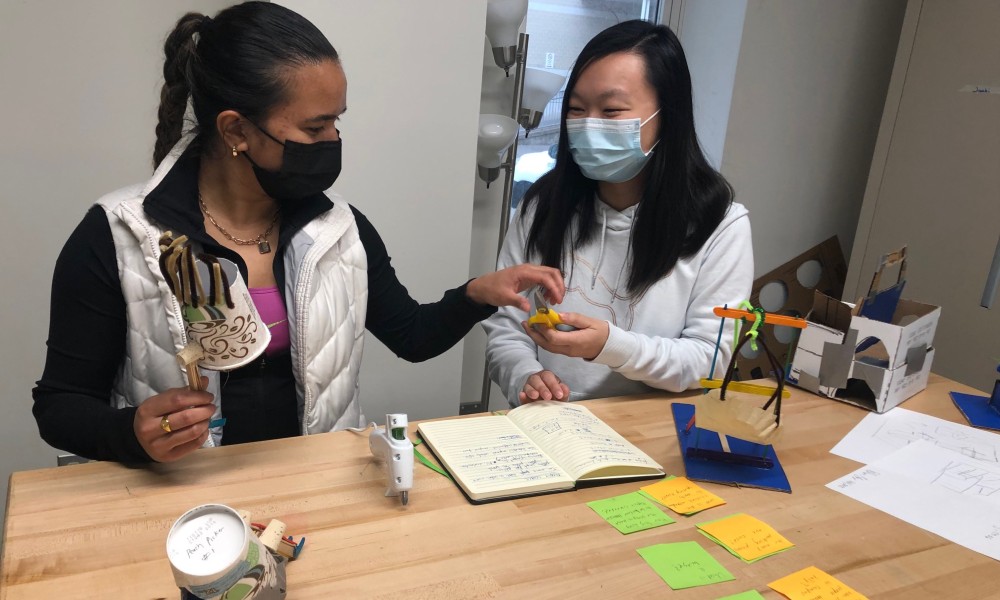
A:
87,329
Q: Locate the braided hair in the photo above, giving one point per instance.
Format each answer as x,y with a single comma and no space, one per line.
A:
237,61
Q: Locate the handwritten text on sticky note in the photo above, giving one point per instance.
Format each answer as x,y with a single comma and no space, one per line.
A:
682,495
630,512
746,537
684,565
813,584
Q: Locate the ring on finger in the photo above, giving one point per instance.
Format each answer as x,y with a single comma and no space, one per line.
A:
165,424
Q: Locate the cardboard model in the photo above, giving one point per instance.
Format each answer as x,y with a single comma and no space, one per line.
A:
872,364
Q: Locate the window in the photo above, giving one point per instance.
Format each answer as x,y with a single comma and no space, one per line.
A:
558,31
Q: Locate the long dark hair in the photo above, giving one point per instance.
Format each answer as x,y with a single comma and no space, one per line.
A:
684,199
236,61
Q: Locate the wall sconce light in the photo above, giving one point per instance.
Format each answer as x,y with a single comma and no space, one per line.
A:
503,20
496,134
539,88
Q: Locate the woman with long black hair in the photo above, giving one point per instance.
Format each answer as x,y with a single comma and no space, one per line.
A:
643,228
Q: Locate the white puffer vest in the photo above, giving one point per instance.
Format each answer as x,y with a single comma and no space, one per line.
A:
326,295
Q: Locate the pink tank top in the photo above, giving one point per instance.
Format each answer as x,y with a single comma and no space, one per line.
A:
271,307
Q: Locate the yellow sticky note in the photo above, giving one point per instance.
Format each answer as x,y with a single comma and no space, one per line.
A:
812,584
682,495
746,537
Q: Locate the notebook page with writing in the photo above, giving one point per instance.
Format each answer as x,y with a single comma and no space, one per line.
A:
585,446
490,457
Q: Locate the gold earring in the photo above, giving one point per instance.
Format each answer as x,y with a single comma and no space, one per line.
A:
235,152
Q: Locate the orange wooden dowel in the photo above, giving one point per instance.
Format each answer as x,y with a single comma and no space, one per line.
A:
733,313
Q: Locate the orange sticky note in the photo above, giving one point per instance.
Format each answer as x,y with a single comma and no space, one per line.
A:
682,495
745,537
812,584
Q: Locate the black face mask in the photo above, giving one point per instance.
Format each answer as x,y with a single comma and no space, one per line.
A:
306,169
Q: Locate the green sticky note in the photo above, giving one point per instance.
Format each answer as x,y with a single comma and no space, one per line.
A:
684,565
630,512
751,595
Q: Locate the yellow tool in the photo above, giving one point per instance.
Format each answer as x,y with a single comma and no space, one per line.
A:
544,316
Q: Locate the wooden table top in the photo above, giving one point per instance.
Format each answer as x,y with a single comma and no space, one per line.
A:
84,531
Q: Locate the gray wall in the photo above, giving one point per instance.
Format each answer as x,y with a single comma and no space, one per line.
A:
810,85
711,32
80,90
410,163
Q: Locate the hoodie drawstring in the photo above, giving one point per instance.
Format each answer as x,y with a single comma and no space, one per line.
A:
600,254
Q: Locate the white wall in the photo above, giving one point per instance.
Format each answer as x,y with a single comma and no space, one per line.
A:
80,91
413,73
711,32
496,98
810,86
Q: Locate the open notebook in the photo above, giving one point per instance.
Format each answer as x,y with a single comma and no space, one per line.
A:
536,448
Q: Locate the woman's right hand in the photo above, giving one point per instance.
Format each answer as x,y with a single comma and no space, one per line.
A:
543,385
504,287
188,414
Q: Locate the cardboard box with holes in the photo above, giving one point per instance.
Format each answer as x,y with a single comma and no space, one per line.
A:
874,354
788,290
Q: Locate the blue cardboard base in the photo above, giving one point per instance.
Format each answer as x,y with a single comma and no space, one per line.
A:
977,410
720,472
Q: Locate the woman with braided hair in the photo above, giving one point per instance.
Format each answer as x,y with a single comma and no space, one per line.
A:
247,146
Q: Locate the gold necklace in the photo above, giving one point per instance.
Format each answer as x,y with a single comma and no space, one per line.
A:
261,240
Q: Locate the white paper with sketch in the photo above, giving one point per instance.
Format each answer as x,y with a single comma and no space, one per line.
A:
936,489
879,435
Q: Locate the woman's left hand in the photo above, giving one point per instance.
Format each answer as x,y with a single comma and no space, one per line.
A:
503,288
586,342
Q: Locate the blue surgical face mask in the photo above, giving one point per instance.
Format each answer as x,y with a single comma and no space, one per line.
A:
608,149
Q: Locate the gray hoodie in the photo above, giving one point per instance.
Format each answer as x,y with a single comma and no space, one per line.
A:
664,340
